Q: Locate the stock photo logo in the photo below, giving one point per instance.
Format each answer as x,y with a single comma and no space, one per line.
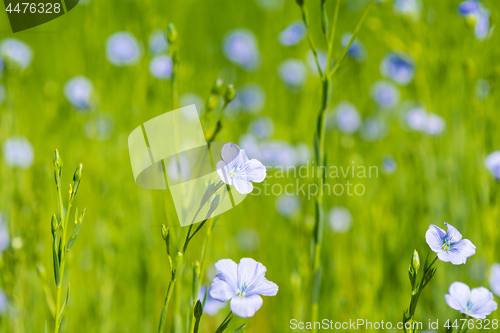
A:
26,14
171,149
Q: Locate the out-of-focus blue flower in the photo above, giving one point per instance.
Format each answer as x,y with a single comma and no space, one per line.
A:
242,284
240,47
356,50
278,153
262,127
288,205
2,94
4,303
476,303
449,246
100,127
389,165
495,279
18,152
122,49
1,67
398,66
492,163
293,73
236,169
248,239
482,89
322,59
271,5
477,15
16,53
4,234
78,91
416,118
211,306
420,120
161,67
249,98
293,34
158,41
373,129
340,219
347,117
435,124
410,8
468,7
385,94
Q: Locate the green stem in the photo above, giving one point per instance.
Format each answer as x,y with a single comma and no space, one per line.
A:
310,38
218,126
64,226
228,317
353,37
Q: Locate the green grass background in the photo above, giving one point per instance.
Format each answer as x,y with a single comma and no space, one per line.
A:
118,266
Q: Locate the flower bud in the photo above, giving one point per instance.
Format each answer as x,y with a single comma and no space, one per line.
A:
164,232
300,2
171,33
415,262
218,87
198,309
53,225
57,160
230,93
213,100
78,173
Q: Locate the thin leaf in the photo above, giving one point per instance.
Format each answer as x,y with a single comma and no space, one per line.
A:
316,286
223,326
162,319
56,264
240,328
64,306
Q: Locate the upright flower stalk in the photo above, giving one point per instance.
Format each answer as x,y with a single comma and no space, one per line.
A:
59,228
319,135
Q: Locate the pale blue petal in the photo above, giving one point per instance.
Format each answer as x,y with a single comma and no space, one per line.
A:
465,248
460,292
453,234
494,278
223,174
255,171
455,257
229,272
249,272
243,186
229,152
245,307
220,290
264,287
434,238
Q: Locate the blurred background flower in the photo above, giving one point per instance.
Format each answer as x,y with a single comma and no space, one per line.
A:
122,49
78,91
340,219
18,152
16,53
161,67
399,67
294,33
240,47
293,73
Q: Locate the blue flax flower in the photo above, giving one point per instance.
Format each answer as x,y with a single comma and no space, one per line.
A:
449,246
236,169
242,284
476,303
398,66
